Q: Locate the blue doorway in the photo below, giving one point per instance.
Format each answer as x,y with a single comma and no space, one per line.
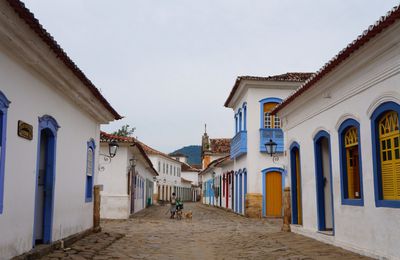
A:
324,187
45,180
297,216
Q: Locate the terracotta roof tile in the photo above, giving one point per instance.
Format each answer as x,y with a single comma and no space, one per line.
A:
104,137
220,145
372,31
187,168
288,77
29,18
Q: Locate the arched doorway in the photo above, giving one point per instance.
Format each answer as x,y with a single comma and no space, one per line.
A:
323,171
297,216
45,180
273,183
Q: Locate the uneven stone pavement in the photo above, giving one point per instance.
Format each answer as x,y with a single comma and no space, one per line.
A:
211,234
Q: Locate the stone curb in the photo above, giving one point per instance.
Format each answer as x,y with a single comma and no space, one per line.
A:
43,250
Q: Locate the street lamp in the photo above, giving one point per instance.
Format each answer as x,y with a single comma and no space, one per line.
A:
270,147
112,151
132,162
112,148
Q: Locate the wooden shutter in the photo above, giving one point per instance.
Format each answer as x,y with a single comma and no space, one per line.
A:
389,152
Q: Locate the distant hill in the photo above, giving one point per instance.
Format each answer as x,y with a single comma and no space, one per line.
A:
193,152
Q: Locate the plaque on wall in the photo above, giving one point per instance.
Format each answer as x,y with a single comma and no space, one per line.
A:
25,130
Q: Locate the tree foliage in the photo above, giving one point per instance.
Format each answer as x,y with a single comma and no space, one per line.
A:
125,131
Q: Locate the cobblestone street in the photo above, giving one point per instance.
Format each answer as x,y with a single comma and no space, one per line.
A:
211,234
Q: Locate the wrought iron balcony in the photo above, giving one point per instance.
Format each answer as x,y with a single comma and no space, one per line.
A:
239,144
275,134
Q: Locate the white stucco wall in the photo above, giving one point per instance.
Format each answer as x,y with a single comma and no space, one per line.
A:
32,97
115,200
191,176
369,78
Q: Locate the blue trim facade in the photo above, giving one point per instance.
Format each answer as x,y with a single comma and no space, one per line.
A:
236,192
264,194
239,141
343,164
89,179
319,179
293,179
275,134
4,104
240,192
376,157
50,127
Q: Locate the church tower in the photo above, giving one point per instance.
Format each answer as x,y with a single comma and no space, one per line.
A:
205,149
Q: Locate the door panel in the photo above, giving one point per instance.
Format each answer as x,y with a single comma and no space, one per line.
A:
273,194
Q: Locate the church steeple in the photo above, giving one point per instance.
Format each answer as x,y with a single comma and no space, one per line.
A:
205,148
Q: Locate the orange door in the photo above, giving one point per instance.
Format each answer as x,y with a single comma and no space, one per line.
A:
274,194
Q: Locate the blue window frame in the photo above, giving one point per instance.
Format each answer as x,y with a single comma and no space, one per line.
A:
90,166
4,103
264,101
376,153
240,119
244,106
351,184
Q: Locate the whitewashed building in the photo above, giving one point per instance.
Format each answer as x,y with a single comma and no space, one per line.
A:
342,141
192,175
169,179
257,180
50,116
127,178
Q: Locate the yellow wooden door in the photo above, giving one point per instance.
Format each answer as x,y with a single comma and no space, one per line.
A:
273,194
298,185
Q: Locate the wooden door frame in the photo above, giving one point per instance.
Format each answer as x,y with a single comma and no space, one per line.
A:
47,123
319,180
264,195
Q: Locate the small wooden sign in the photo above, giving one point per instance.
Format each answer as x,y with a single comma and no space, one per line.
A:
25,130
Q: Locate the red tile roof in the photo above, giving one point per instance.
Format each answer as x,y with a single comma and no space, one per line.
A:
34,24
187,168
220,145
104,137
216,162
288,77
150,150
373,30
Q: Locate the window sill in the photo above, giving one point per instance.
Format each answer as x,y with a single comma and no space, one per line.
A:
387,203
353,202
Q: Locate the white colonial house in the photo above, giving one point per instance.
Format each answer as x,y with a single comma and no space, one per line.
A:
169,179
50,116
127,178
257,178
343,143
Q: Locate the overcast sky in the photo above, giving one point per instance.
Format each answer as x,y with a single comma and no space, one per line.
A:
168,66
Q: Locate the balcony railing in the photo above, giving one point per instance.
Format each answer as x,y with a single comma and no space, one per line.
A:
239,144
274,134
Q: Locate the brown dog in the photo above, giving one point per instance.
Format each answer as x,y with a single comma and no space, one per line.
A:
188,215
